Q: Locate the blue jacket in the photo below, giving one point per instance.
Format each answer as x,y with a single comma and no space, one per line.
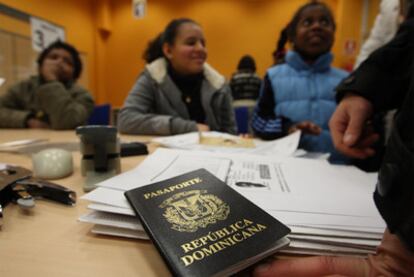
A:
300,92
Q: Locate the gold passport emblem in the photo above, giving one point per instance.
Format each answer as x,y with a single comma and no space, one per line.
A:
187,211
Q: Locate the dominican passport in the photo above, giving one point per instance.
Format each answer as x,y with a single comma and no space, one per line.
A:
202,227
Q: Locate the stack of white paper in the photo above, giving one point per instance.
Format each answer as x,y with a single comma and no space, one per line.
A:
329,208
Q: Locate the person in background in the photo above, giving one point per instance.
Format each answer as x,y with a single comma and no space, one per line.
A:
178,92
384,29
52,99
384,81
245,84
299,94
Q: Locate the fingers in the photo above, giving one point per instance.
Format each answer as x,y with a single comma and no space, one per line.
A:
348,128
307,127
203,127
362,149
314,266
354,129
315,129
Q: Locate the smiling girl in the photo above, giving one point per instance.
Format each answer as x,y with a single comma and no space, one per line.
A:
178,92
299,94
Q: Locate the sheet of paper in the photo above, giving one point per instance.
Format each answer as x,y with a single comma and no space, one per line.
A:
110,209
357,243
315,231
289,184
325,248
167,163
313,197
283,147
108,196
316,187
344,222
119,232
114,220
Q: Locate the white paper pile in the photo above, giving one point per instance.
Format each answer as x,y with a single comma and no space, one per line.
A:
329,208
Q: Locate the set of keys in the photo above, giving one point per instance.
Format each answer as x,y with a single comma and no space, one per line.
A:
18,186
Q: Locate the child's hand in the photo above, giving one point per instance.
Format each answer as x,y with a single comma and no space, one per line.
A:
246,136
203,127
306,127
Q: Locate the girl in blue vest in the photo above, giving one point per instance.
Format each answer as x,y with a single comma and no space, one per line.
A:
299,94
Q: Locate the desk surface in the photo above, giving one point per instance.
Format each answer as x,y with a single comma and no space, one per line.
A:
49,241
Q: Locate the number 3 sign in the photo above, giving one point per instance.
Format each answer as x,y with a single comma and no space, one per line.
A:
44,33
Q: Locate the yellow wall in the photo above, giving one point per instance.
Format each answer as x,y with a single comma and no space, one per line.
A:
114,41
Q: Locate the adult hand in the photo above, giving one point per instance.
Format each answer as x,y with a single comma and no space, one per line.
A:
202,128
306,127
351,133
34,123
392,259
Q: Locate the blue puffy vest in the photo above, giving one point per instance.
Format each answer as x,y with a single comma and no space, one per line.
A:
307,92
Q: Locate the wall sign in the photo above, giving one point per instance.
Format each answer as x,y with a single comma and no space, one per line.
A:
139,8
44,33
350,46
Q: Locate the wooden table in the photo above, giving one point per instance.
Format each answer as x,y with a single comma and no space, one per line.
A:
49,241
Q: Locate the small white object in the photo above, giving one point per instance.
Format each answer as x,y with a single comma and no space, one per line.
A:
52,163
26,203
139,8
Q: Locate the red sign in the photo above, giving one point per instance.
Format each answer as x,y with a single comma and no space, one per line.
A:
350,47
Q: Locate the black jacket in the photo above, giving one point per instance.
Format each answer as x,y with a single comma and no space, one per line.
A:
386,79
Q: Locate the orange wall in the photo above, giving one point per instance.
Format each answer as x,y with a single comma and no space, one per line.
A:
232,28
349,17
114,41
76,16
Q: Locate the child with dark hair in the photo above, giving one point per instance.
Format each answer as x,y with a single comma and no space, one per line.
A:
178,92
51,99
280,52
245,84
384,81
299,94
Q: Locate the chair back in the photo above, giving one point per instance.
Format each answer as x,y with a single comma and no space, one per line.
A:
101,115
242,119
